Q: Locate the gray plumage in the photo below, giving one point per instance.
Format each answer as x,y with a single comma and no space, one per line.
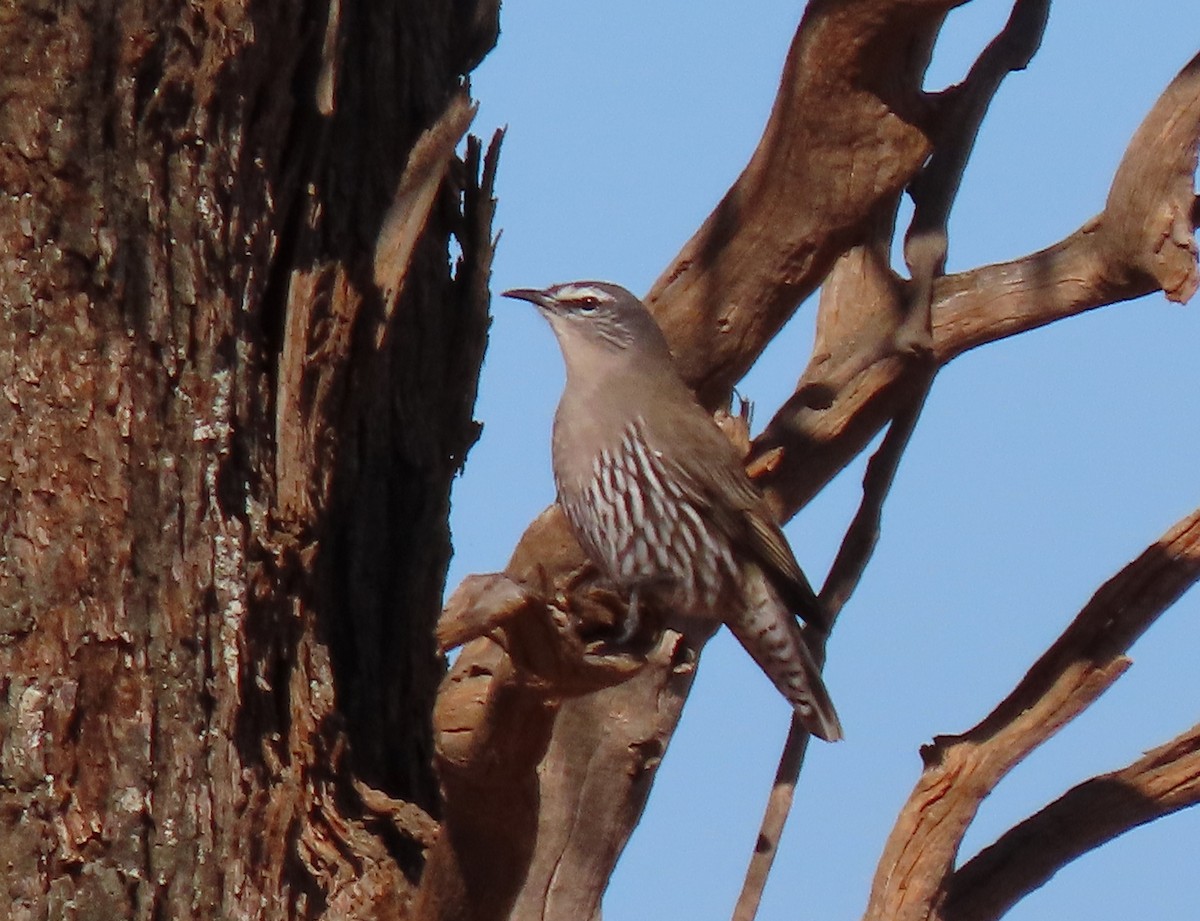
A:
658,497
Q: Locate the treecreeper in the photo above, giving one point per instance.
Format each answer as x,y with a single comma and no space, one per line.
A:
659,500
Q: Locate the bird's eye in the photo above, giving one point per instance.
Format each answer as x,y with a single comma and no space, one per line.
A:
587,304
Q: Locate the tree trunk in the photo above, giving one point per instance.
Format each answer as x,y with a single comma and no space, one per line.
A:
238,367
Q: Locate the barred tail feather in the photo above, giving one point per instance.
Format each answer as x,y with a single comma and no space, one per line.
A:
769,632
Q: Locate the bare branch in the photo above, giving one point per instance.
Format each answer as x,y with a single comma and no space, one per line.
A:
799,205
960,771
779,805
926,243
1142,241
1162,781
863,533
856,549
935,188
910,332
899,323
961,112
809,192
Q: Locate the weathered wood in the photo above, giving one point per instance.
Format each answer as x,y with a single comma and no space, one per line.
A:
226,450
916,871
795,213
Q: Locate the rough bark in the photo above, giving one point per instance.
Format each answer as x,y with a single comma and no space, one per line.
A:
238,369
796,216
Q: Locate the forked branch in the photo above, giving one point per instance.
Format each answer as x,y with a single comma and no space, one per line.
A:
1162,781
1143,241
917,867
902,324
578,766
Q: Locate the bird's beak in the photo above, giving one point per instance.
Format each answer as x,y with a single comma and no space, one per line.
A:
533,295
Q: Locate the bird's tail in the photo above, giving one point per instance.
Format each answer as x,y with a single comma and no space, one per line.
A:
772,636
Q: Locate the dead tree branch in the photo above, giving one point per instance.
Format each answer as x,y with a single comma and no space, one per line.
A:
916,869
1141,242
926,243
1159,783
809,191
767,246
580,764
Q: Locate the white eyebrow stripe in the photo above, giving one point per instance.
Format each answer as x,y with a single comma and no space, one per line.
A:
571,292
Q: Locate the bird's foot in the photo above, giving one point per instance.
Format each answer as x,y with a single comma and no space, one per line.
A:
627,627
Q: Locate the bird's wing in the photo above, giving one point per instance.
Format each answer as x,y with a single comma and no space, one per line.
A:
722,492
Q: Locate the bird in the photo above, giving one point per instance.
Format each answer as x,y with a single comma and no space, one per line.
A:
659,500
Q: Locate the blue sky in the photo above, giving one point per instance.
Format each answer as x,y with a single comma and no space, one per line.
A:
1041,466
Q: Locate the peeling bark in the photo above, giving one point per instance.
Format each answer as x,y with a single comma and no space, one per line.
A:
226,448
238,370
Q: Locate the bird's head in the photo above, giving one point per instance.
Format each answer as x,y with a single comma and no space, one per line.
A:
590,314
